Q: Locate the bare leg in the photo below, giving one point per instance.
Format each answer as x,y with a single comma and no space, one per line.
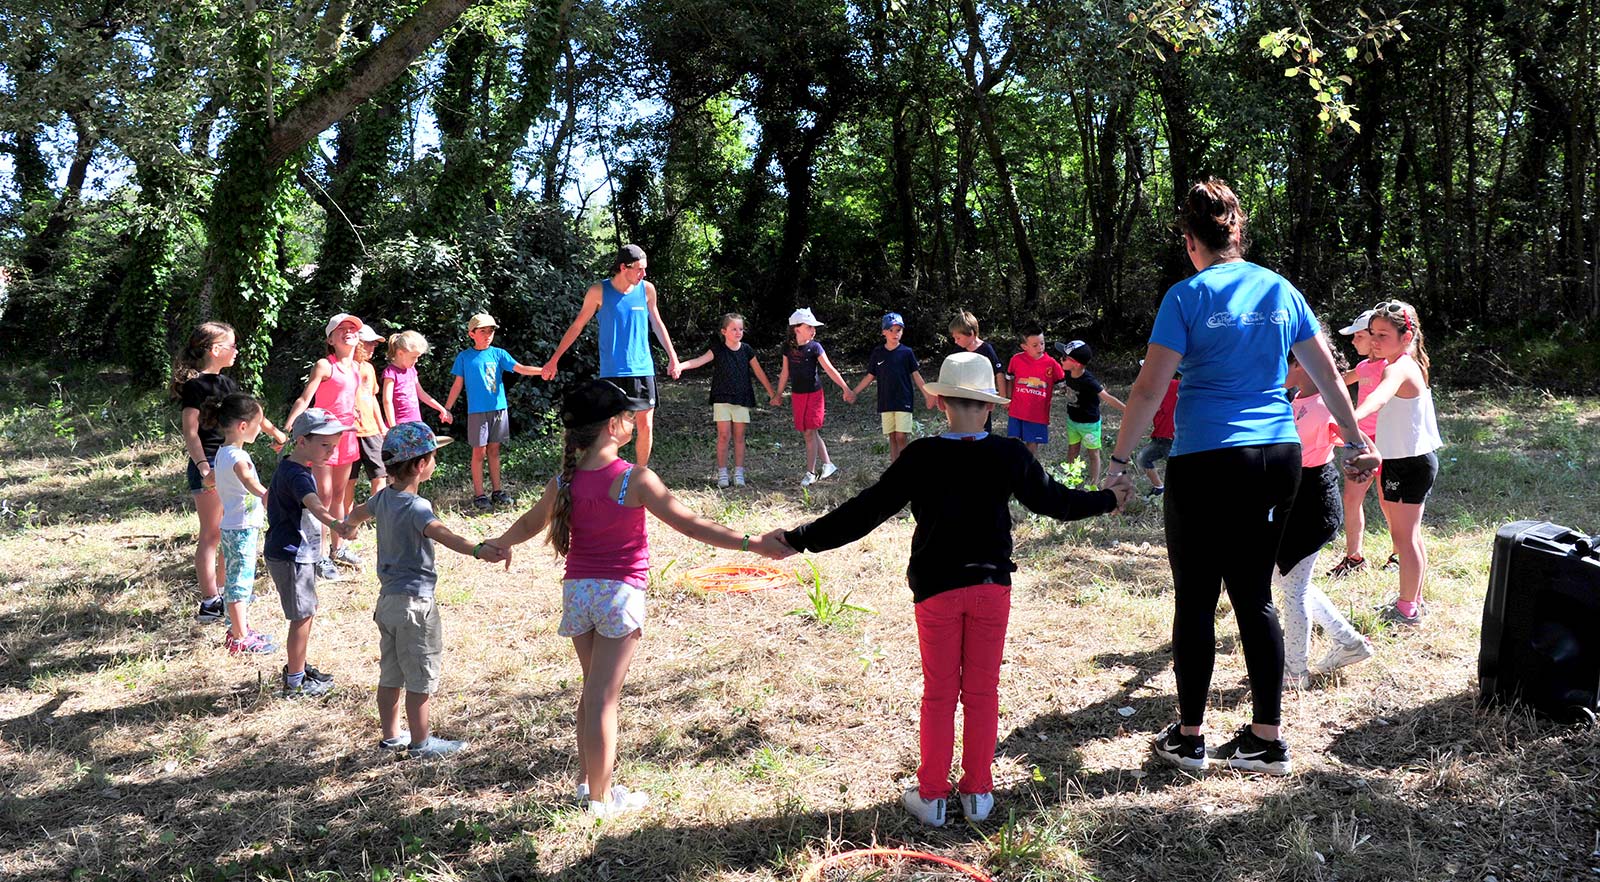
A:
723,433
417,716
644,427
1091,474
1405,526
477,471
389,711
605,663
1355,515
207,560
738,445
294,648
326,490
492,451
1154,477
813,441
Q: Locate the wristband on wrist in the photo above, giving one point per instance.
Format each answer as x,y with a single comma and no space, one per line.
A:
745,546
475,549
1119,460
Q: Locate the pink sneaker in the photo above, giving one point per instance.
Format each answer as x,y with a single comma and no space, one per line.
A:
254,643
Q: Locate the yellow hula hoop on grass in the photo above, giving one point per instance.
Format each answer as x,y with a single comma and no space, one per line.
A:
738,579
817,869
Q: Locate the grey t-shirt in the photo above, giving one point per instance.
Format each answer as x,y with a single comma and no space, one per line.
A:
405,555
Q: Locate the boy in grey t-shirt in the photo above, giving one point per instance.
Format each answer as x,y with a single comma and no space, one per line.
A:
411,638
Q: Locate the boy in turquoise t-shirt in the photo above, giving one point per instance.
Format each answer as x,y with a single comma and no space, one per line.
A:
487,422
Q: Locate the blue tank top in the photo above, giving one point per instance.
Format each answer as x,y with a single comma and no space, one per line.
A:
624,332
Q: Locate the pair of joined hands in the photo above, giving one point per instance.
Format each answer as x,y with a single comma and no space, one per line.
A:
849,398
548,370
1121,484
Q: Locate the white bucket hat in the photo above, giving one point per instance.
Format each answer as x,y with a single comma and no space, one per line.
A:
803,316
967,375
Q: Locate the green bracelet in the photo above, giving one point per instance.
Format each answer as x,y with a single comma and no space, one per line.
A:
746,545
475,549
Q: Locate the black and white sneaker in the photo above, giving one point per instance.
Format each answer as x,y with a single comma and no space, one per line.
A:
1249,752
211,611
314,674
1178,749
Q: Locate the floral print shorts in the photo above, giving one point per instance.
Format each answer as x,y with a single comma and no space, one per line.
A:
612,608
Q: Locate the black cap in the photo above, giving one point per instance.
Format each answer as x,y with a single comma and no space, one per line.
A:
597,400
629,254
1077,350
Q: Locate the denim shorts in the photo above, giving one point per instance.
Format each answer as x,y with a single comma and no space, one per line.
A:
612,608
1154,452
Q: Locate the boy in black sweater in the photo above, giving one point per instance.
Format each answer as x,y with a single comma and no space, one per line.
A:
960,570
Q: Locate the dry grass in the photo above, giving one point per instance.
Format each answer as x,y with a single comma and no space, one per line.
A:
133,746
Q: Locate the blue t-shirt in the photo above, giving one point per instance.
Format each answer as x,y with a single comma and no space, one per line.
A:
893,369
1233,323
624,332
481,370
293,532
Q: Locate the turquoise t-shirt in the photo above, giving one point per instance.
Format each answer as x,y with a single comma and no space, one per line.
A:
1233,323
481,370
624,332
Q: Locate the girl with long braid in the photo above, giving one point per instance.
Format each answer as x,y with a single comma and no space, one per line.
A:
595,514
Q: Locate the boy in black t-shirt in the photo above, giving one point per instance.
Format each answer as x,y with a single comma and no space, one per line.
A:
959,485
1083,407
896,369
964,332
732,396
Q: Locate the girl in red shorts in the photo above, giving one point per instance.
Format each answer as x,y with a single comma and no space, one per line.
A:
802,358
332,386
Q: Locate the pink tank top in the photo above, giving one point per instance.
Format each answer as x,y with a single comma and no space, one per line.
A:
1369,373
608,538
337,394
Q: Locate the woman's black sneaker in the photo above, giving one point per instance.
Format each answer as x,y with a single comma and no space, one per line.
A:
1183,751
1249,752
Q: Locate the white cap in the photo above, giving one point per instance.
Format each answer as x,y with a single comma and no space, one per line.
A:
341,318
803,316
1360,324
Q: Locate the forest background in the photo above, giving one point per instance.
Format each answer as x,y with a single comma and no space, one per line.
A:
271,163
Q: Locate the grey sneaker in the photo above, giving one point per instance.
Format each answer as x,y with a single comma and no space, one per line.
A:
398,742
481,502
828,468
347,556
977,806
928,811
326,571
308,688
1296,680
434,748
808,479
1391,614
501,497
1343,654
722,477
738,478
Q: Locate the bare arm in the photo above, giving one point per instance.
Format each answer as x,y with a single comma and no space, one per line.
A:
425,398
827,367
783,381
532,522
755,366
313,503
191,442
698,361
591,305
455,390
245,471
438,532
861,386
319,372
660,327
528,370
388,399
358,515
658,500
916,377
1393,378
1313,355
1110,399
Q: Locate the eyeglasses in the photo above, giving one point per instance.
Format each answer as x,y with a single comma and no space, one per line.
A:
229,346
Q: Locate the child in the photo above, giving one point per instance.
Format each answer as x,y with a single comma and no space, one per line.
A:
959,485
488,426
294,541
410,636
370,423
1163,428
239,418
1030,382
196,378
401,390
802,355
1408,435
1312,522
595,511
964,331
1083,407
333,386
732,395
896,368
1366,375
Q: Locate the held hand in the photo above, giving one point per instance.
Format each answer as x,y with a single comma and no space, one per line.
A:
549,370
446,417
849,396
346,530
674,369
209,480
771,545
1361,467
1120,484
494,553
774,401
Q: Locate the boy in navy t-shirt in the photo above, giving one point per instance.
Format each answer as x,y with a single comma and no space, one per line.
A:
1083,407
895,368
479,370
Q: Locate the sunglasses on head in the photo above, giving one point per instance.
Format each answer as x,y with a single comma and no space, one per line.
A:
1395,308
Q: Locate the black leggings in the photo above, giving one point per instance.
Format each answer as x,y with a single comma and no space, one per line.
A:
1225,512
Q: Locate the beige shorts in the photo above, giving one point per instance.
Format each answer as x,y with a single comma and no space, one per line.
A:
410,643
898,421
730,413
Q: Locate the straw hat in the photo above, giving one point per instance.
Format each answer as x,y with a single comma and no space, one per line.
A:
967,375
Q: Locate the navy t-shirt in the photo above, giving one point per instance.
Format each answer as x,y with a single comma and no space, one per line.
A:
893,369
293,532
730,375
803,369
1083,398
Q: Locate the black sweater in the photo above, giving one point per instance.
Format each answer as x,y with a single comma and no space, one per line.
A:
958,490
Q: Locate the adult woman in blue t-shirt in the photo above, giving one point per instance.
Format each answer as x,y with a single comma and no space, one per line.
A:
1234,467
626,304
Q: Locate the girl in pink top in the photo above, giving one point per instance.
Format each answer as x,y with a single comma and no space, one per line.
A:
402,393
1366,375
332,386
595,511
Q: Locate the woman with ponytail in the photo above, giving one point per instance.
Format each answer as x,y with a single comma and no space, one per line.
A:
595,514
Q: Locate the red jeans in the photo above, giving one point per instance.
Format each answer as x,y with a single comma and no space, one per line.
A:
962,634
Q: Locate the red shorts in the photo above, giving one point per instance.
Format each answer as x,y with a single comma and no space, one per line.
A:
809,409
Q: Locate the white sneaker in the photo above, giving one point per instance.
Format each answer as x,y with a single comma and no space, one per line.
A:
928,811
621,802
977,806
722,478
808,479
1300,680
583,793
828,469
1343,654
738,478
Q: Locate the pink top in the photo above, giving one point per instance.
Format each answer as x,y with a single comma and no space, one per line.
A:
1314,422
404,394
608,538
337,394
1369,373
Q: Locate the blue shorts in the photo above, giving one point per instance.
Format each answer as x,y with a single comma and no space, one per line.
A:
1028,430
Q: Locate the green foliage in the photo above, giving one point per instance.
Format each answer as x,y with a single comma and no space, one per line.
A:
825,609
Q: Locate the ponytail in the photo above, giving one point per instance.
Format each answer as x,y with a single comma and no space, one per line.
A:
574,442
192,357
225,410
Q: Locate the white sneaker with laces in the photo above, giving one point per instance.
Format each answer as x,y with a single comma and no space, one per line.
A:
1343,654
722,477
583,793
1300,680
828,468
738,478
977,806
621,802
808,479
928,811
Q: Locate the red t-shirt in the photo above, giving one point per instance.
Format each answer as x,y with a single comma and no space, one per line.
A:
1033,382
1163,426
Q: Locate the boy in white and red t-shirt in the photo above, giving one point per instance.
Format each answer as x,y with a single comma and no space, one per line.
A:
1030,382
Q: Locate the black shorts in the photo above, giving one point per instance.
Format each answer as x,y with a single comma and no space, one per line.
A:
636,387
369,455
1409,479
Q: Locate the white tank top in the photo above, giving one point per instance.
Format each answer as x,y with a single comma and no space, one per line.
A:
1407,427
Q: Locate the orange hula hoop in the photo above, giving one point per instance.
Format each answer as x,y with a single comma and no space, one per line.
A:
738,579
817,869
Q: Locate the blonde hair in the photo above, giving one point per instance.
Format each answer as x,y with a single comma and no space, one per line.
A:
574,442
964,323
192,357
410,341
1387,311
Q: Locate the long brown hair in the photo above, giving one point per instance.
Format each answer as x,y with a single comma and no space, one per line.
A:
1210,212
192,357
574,442
1409,321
